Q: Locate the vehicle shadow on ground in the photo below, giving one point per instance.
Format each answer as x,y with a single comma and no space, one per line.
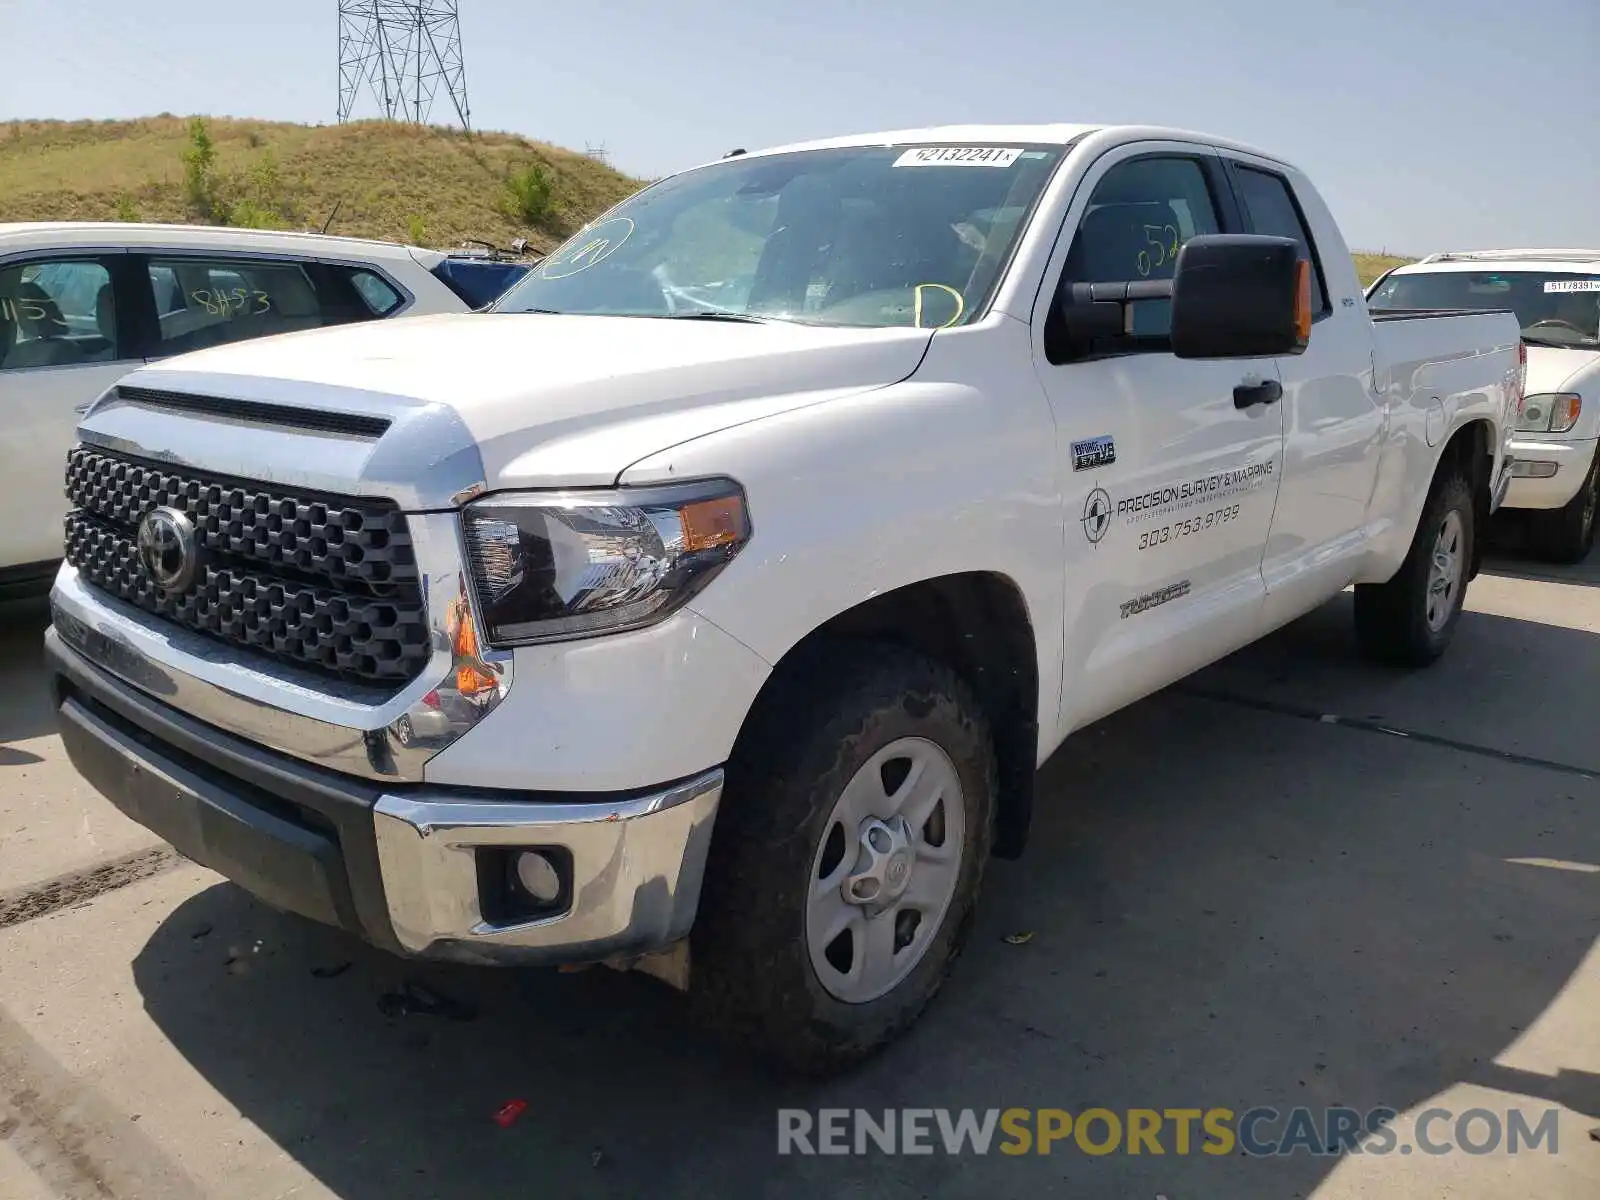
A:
1227,907
25,710
1509,556
1508,686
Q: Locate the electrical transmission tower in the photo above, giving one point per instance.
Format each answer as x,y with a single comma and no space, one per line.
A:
404,52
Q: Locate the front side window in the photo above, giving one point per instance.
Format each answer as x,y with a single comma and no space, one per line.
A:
208,302
1139,216
1555,308
56,314
1274,213
872,236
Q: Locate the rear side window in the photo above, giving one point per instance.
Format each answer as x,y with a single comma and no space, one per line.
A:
377,293
209,302
1273,212
56,314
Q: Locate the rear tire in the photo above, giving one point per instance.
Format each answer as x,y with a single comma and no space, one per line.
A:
791,854
1566,535
1410,620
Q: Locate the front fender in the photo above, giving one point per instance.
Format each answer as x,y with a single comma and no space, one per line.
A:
951,471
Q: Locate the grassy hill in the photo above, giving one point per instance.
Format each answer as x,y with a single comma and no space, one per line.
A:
428,186
1370,266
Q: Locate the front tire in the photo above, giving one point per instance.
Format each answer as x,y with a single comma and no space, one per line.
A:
1566,535
1410,620
852,835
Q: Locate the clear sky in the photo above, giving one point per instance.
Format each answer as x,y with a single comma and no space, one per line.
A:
1427,124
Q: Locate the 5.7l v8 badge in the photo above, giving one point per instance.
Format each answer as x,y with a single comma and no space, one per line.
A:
1094,452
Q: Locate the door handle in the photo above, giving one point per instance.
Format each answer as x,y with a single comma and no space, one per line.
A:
1268,392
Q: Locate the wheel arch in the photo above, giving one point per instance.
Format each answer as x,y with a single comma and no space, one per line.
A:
977,624
1470,452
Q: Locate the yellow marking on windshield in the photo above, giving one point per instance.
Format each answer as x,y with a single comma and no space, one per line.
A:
601,243
916,304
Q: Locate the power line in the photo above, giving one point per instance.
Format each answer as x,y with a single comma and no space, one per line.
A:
402,53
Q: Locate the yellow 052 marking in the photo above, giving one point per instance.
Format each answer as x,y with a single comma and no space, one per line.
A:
1161,246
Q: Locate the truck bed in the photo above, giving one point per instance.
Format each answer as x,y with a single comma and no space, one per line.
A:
1445,355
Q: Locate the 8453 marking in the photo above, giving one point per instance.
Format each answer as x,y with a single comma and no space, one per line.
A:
1151,538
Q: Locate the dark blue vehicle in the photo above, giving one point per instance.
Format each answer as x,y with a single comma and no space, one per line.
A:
479,280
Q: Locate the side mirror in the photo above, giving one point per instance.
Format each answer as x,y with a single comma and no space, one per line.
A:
1240,296
1232,296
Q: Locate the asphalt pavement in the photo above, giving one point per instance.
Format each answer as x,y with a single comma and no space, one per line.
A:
1291,881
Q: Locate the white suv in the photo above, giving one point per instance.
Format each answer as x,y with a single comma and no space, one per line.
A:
1556,296
82,304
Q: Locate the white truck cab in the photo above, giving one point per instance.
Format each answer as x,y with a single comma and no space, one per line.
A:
708,604
1556,296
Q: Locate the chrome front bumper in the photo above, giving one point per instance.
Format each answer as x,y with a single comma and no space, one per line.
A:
402,867
636,868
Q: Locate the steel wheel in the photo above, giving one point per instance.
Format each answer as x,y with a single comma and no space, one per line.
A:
1446,571
885,870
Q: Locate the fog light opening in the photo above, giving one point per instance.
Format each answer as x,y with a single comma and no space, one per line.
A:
523,883
538,876
1529,469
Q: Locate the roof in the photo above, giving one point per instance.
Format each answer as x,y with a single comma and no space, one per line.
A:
137,233
1530,257
1041,135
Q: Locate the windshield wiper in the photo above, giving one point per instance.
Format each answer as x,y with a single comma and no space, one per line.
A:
715,314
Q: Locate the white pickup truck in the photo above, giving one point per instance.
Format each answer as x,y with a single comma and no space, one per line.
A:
707,606
1556,296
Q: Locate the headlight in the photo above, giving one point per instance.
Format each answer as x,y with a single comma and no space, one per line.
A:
554,565
1550,412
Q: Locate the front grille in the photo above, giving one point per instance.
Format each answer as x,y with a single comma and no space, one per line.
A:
326,582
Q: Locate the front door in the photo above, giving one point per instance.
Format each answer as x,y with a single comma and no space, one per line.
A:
1171,471
60,348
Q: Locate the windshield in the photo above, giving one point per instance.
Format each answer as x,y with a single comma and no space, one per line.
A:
867,236
1555,308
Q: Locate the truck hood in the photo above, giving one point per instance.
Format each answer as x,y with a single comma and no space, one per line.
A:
541,400
1558,369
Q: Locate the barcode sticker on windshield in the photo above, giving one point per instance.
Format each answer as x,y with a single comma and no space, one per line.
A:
1573,285
959,156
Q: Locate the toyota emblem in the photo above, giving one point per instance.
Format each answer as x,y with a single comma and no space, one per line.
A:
168,549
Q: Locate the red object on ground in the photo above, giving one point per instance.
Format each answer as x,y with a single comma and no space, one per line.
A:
510,1113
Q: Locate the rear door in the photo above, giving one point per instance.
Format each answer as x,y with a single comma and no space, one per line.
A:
62,343
1169,482
1334,418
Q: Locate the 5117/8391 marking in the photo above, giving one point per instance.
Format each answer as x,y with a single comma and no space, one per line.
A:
1170,533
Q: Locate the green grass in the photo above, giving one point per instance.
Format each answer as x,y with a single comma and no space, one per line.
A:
389,180
1370,266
